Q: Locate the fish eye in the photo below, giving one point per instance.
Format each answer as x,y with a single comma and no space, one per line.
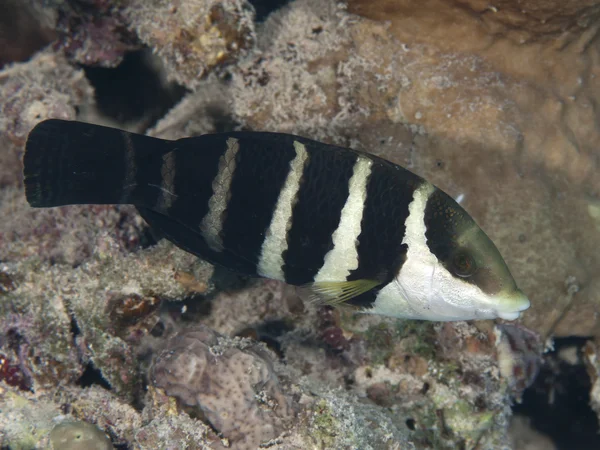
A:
463,264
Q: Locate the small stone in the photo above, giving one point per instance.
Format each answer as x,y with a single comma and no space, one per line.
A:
79,436
129,309
190,282
6,283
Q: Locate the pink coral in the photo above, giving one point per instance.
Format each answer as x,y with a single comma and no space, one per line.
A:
232,383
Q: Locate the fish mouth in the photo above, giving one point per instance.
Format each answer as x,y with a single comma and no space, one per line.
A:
512,306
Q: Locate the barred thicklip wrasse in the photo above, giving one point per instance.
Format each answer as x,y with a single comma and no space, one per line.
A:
347,226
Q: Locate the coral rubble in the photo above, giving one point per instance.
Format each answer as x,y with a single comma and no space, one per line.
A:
47,86
193,37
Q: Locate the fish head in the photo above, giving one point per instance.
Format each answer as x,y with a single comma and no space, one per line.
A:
453,271
474,281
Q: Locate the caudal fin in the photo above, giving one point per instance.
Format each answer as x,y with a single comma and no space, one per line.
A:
69,162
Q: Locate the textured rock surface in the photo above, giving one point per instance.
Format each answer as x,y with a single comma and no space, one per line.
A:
27,419
24,422
21,34
478,24
193,37
47,86
112,299
524,437
495,103
66,235
233,386
593,367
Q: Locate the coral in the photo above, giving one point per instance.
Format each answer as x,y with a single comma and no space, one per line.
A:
564,388
132,279
519,356
89,32
165,426
403,361
98,406
132,316
443,381
45,87
65,235
232,383
112,299
290,82
12,374
7,284
193,37
334,337
478,24
262,302
94,33
20,33
24,422
28,419
78,436
338,420
440,383
525,437
592,362
35,330
202,112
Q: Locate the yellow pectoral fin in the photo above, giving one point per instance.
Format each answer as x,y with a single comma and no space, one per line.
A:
335,293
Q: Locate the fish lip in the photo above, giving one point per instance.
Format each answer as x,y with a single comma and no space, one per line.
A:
513,315
518,303
525,302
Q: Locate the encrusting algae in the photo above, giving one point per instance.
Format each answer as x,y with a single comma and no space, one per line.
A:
493,105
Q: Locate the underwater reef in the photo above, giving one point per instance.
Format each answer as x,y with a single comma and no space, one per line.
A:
111,337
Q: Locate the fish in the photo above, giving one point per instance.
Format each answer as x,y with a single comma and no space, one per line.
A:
350,229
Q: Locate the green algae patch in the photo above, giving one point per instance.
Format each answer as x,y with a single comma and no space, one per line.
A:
382,338
25,423
324,428
464,421
424,334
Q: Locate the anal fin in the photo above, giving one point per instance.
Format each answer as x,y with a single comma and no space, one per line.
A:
192,241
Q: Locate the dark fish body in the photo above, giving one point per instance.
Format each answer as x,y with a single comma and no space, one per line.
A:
283,207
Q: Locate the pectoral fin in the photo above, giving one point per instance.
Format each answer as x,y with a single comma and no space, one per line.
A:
336,293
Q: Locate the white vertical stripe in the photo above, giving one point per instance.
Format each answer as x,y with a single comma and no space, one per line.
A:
167,195
408,295
414,234
343,257
212,223
271,262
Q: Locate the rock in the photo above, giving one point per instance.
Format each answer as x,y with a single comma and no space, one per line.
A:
231,383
